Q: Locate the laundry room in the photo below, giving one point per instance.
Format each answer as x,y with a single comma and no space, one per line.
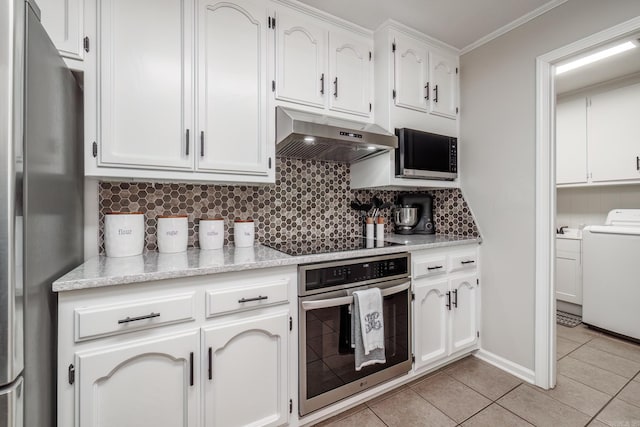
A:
598,185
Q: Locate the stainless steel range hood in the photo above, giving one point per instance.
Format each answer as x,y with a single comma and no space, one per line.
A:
313,136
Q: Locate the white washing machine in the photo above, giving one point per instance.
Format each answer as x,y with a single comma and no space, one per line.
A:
611,273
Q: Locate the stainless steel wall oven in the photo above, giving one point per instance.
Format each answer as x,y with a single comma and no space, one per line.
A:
327,361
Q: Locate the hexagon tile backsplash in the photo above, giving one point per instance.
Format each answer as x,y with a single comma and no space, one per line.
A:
310,200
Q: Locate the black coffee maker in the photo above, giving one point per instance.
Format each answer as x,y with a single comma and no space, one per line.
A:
414,214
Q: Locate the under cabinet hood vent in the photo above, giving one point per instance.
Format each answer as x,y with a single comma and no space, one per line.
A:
305,135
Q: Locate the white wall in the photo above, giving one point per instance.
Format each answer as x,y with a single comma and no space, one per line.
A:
498,161
590,205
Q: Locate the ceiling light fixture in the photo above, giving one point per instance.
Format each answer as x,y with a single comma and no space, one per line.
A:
371,147
595,57
309,139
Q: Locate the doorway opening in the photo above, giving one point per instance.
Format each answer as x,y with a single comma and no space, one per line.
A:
549,85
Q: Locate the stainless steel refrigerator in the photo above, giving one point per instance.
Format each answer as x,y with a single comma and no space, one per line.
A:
41,221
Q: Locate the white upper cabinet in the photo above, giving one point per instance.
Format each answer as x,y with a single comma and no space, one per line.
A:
350,73
614,135
424,79
444,85
571,142
186,97
232,76
145,83
300,51
64,22
321,65
597,134
411,80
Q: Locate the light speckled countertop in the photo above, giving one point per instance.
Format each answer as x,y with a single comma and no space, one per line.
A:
103,271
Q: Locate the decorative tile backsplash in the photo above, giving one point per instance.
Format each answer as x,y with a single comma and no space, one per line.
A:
310,200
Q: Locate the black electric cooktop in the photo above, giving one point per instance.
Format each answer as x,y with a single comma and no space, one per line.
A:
322,246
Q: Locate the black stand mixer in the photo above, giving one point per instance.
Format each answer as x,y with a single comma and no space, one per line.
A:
414,214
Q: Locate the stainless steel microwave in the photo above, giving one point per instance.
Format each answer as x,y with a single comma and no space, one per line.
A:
426,155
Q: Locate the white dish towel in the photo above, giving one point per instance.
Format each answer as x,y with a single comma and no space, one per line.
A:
368,328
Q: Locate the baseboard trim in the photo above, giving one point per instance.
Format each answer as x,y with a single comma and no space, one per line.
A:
514,369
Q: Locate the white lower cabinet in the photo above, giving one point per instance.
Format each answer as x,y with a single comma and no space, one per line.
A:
118,385
247,371
445,307
228,369
464,318
432,322
569,270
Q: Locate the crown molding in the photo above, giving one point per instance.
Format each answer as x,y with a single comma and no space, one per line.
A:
512,25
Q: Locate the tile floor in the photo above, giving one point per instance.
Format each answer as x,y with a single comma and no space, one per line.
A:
598,385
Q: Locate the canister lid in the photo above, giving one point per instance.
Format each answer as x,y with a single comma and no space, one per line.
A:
172,216
217,218
243,220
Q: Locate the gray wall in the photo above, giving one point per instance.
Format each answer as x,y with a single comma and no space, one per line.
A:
498,161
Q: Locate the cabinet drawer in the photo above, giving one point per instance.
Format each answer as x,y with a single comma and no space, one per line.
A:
568,245
99,321
463,261
429,266
246,297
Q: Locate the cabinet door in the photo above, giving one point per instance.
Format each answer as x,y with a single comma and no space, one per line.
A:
145,84
247,374
411,74
232,75
444,85
350,70
571,142
143,383
301,51
569,274
614,135
464,318
64,22
431,322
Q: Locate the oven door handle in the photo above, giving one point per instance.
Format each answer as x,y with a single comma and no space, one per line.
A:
334,302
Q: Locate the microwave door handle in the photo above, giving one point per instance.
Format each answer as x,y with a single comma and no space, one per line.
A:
334,302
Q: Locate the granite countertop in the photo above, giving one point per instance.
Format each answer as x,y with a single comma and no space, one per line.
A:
103,271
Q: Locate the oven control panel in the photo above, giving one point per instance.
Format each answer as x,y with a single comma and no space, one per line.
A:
355,271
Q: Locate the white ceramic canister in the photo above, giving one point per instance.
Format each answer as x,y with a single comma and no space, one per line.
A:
244,233
211,233
123,233
173,233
